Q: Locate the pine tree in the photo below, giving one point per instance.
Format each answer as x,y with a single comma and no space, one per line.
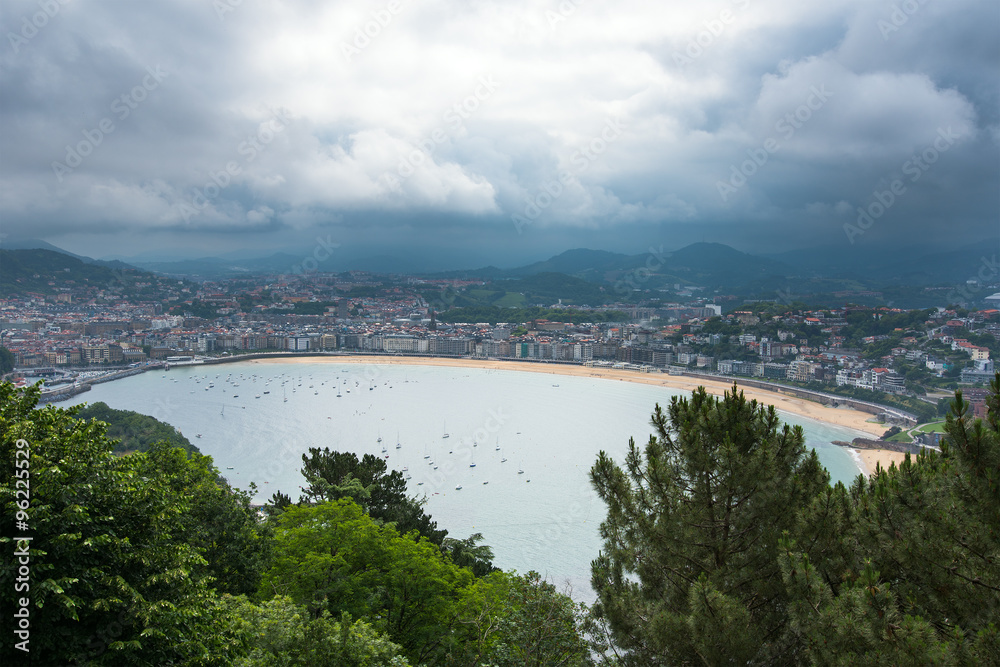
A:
689,573
916,578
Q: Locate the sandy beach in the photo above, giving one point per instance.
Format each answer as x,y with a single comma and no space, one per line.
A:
884,457
840,416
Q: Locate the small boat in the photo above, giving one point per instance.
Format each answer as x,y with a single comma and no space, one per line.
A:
445,431
257,396
503,460
197,435
267,392
486,481
229,467
458,488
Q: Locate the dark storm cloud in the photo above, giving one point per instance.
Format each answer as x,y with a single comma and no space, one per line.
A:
521,126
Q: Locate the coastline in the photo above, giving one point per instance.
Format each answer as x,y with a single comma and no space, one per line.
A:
865,459
840,416
884,457
845,417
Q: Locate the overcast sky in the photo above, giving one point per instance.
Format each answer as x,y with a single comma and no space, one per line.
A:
496,131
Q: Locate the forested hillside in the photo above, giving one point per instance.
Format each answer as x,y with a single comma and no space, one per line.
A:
135,432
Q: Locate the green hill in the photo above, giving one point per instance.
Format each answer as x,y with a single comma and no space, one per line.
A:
135,432
44,270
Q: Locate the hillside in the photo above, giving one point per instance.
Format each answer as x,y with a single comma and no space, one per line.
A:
45,270
135,432
543,288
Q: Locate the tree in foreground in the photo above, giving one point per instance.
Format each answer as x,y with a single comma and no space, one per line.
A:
334,475
689,572
919,582
280,633
120,572
333,557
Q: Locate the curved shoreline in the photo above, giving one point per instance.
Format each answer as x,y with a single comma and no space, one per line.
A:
845,417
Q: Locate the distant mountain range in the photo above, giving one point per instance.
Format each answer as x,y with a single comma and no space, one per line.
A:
714,266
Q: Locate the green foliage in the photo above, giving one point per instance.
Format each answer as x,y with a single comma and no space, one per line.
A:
32,270
6,361
312,307
334,557
219,521
903,568
196,308
507,620
283,634
689,571
381,493
113,579
468,553
918,581
134,432
891,432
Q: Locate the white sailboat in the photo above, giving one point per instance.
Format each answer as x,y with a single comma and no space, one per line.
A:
445,430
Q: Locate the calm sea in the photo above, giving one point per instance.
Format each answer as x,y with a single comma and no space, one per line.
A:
550,426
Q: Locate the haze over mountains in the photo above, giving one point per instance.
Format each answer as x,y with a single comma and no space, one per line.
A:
712,265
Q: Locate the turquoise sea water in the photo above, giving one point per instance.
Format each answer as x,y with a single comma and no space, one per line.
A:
545,519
